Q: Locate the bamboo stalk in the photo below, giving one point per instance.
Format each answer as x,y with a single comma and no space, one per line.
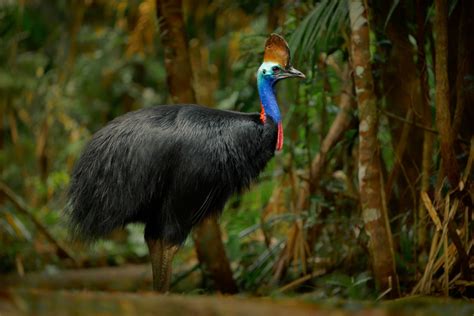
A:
425,282
443,113
431,210
300,281
445,244
426,164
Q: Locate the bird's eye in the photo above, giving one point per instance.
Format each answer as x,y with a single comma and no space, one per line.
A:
264,71
276,69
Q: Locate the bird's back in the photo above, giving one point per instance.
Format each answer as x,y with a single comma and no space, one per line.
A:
166,166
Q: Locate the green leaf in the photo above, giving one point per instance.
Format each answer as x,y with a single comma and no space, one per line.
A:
390,12
320,29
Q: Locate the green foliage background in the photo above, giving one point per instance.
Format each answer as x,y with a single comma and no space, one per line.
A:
69,67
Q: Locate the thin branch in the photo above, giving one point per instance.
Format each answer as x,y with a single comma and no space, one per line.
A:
23,208
402,119
301,280
428,129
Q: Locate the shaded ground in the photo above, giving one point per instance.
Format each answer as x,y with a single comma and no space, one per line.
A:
108,291
126,278
45,302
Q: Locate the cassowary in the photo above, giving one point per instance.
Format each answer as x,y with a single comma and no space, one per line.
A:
171,166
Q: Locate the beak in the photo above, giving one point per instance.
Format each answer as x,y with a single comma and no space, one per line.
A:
291,72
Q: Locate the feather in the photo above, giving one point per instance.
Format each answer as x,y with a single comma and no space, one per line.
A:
201,212
277,50
168,167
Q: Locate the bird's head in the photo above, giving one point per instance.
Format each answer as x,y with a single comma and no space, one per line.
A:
276,66
276,61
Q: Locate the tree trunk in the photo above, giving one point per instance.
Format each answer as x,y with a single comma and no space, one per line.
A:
426,165
212,256
178,67
370,177
443,115
276,15
401,90
464,114
179,78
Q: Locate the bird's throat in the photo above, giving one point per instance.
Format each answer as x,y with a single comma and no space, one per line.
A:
270,109
279,143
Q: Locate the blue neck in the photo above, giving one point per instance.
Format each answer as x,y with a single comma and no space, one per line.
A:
268,98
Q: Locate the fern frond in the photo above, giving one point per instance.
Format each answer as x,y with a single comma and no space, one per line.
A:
321,29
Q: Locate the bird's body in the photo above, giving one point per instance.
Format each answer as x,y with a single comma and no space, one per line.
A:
168,167
172,166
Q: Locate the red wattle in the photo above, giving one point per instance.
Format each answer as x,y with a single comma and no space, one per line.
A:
263,116
279,144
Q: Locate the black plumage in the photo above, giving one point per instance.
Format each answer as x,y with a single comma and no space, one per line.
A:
168,167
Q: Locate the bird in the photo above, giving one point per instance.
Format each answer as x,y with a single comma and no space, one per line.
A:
172,166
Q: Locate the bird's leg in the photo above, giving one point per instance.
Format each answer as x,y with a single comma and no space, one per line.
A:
161,256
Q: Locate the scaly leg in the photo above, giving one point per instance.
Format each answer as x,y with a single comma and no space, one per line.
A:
161,256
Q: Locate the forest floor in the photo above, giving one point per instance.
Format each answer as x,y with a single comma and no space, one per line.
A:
74,302
122,290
